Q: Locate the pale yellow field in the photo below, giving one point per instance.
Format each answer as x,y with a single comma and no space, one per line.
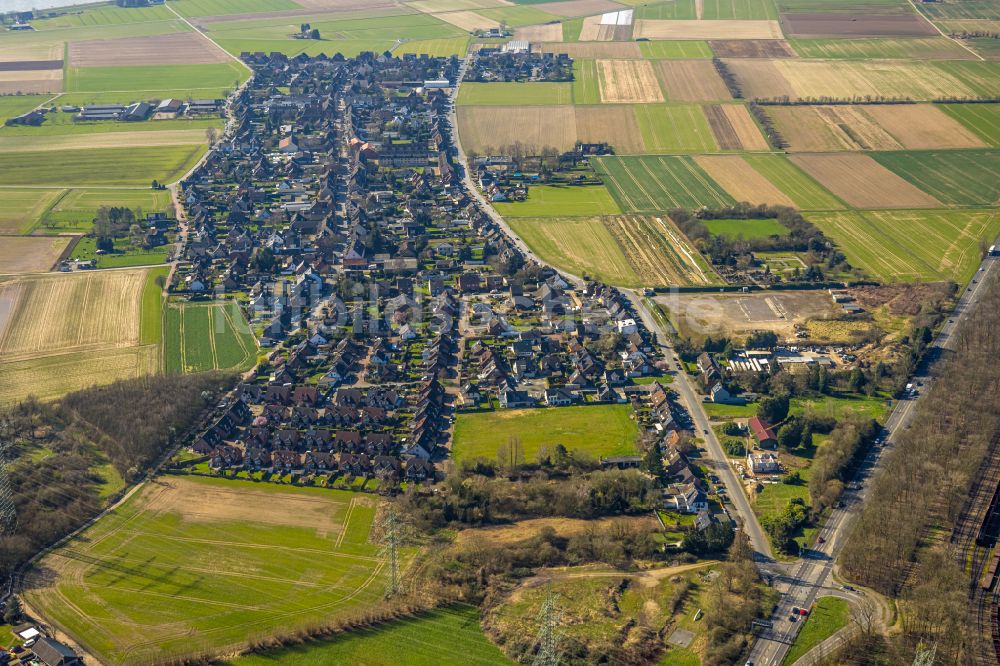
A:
62,312
862,182
804,129
923,126
471,21
52,376
606,50
743,124
30,254
19,144
848,79
482,127
547,32
861,127
741,181
628,82
691,81
433,6
615,125
671,29
30,51
657,251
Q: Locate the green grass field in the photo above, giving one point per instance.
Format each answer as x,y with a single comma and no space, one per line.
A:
669,128
21,209
955,177
799,186
151,319
739,9
102,15
226,7
586,89
983,119
15,105
652,183
676,9
839,407
193,563
444,47
200,337
74,209
577,245
920,48
556,201
516,94
62,124
596,430
674,50
746,229
909,246
113,167
828,616
200,80
447,636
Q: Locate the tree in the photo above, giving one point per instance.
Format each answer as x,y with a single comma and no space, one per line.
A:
212,135
314,33
773,409
653,462
12,614
155,185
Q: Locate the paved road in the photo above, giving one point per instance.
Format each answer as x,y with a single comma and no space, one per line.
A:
813,575
467,178
716,459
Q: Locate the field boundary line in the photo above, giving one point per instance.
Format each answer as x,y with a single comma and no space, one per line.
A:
941,32
211,337
180,320
347,521
212,41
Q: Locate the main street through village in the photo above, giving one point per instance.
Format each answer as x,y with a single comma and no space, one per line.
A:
804,580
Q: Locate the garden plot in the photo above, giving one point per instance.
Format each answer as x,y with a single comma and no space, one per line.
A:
862,182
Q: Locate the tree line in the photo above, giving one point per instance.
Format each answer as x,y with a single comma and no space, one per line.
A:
898,544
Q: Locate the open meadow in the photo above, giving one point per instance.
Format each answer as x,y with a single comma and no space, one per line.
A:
561,201
192,564
207,336
594,430
908,246
445,636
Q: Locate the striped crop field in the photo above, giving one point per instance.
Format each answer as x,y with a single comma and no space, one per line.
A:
652,183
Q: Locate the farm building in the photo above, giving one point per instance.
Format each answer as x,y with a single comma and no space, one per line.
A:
763,433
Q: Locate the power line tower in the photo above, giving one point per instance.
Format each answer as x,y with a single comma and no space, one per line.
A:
391,540
925,657
548,636
8,512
